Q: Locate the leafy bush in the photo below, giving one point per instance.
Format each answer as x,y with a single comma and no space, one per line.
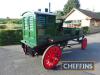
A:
17,21
12,21
2,26
9,37
85,30
3,21
10,26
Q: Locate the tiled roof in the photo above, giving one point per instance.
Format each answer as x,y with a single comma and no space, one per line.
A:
93,15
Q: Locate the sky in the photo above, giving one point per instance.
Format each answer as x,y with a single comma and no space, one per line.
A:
14,8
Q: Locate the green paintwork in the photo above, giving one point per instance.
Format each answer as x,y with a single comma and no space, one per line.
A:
45,27
38,27
29,31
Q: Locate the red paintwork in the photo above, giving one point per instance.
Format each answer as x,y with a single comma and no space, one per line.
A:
52,57
84,43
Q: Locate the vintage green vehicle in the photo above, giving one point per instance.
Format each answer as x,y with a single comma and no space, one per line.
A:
43,34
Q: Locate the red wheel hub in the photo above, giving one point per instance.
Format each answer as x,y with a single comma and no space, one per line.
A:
51,57
84,43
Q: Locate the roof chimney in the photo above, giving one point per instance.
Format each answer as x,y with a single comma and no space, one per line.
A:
39,10
46,9
49,7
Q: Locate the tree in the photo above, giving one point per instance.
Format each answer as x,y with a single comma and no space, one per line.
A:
59,13
70,5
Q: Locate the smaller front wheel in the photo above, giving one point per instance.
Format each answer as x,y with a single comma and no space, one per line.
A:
84,43
51,57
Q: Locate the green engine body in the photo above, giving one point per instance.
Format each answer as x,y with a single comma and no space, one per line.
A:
37,27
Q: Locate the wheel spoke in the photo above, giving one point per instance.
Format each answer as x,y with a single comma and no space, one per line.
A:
51,57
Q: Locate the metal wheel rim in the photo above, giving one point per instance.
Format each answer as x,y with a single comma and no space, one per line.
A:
84,43
51,57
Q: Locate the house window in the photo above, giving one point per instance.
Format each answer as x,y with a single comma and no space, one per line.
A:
95,23
73,22
92,23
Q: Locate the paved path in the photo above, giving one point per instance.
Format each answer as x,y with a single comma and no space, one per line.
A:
14,62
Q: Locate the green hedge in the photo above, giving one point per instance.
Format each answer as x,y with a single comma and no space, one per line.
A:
2,26
86,30
10,37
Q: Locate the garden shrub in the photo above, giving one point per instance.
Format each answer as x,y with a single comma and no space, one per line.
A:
2,26
10,37
85,30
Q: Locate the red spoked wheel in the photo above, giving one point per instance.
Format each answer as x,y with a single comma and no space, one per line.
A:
51,57
84,43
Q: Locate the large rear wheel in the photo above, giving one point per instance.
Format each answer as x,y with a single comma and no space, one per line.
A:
25,48
51,57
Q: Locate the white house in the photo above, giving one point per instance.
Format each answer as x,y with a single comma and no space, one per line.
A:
82,18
